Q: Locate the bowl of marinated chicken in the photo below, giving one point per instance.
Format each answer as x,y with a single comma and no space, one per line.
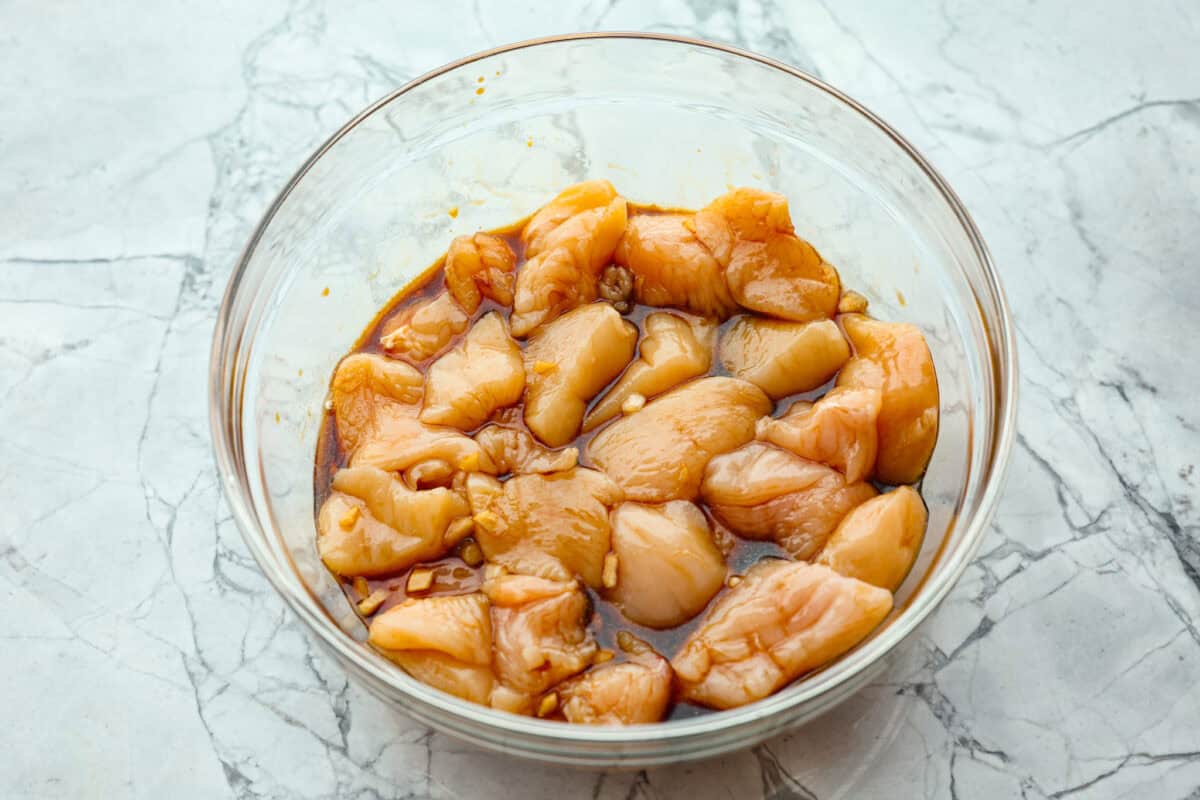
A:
613,400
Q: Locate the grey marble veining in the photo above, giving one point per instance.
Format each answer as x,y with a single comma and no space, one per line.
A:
141,652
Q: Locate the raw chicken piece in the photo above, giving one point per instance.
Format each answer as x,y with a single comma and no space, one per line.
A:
625,693
783,358
784,619
767,267
430,474
363,385
838,430
659,453
483,373
480,266
673,350
445,642
555,526
671,267
762,492
375,404
458,625
567,362
878,541
893,358
667,565
400,441
373,524
568,243
539,631
424,329
515,450
468,681
571,220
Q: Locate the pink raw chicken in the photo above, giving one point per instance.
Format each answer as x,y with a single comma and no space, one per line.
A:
373,524
443,641
782,620
762,492
625,693
767,267
568,243
659,453
480,266
893,358
838,430
539,632
555,525
424,329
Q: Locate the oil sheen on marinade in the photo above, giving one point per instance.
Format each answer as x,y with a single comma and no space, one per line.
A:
453,575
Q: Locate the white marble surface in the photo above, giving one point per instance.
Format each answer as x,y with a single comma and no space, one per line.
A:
142,654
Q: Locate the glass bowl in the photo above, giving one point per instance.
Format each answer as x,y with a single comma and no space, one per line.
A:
670,121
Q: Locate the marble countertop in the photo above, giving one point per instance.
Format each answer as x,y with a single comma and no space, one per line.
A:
142,653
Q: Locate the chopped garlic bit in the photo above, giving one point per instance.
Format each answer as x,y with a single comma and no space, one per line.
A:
633,403
493,571
361,587
329,405
609,575
626,641
543,367
603,655
350,518
419,580
371,603
471,554
548,704
733,581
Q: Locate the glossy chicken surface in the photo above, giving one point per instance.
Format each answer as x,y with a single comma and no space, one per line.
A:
839,430
637,690
589,468
400,441
659,453
485,372
668,566
365,388
672,267
767,267
515,450
374,524
762,492
674,350
567,243
878,541
782,620
539,631
556,525
783,358
894,359
480,266
443,641
425,329
568,362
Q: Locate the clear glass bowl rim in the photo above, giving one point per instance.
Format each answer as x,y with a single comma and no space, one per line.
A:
226,383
